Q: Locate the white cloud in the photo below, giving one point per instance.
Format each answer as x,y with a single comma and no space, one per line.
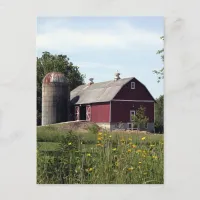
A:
120,36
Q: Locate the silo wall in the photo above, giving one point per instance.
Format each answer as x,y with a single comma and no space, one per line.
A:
55,102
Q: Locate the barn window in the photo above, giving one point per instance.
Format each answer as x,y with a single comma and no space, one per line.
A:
132,112
132,85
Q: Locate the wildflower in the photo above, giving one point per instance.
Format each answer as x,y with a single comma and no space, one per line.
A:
117,164
110,136
129,150
100,133
134,146
90,169
143,138
152,145
140,162
138,151
69,143
88,155
154,157
143,155
122,140
130,139
99,138
130,168
98,144
114,149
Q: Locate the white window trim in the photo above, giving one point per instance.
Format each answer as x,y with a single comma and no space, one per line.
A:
132,83
131,114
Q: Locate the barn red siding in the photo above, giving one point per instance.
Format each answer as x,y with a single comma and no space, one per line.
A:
139,93
100,112
120,110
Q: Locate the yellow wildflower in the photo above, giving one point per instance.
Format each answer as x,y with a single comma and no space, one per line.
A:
88,155
130,139
99,138
130,168
100,133
134,146
155,157
122,140
152,145
143,138
138,151
110,136
69,143
140,162
90,169
129,150
114,149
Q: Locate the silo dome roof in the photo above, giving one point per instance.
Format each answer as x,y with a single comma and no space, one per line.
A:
54,77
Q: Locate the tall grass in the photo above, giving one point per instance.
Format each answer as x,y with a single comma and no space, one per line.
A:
109,159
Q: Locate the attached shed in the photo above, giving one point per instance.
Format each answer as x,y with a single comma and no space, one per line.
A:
112,103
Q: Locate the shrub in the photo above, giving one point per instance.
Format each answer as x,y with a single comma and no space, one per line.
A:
93,129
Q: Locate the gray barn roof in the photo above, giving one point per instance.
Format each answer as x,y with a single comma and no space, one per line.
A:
97,92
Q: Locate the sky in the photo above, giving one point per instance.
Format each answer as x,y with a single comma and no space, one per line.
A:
101,46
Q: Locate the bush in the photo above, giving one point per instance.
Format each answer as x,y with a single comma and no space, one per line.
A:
93,129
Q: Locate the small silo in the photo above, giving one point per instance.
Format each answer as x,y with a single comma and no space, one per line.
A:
55,98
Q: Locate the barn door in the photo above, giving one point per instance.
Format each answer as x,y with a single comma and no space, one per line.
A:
77,112
88,113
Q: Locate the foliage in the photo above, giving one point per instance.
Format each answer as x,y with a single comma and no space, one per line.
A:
140,119
159,114
56,166
57,63
93,129
124,160
160,73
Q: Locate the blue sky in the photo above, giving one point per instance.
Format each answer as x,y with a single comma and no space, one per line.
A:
102,45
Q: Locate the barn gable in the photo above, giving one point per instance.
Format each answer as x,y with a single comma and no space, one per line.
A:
140,91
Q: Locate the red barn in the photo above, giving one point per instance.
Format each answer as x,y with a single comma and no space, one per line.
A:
112,103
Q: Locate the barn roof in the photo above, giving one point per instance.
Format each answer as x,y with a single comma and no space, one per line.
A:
97,92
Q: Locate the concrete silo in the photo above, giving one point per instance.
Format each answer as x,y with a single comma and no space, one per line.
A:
55,98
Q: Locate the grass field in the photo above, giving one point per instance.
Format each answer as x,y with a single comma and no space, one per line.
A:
98,157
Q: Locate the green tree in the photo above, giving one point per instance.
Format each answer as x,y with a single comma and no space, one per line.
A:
159,114
160,73
57,63
140,119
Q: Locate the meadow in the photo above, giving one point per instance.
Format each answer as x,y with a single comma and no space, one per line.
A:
98,157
